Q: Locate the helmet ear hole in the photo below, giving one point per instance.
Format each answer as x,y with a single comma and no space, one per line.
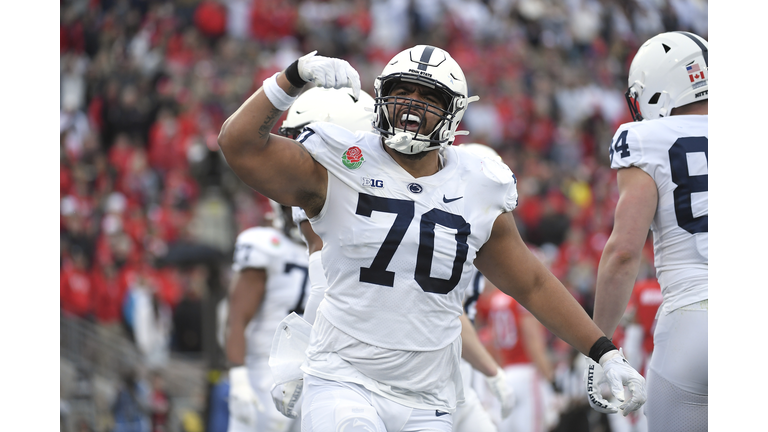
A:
654,99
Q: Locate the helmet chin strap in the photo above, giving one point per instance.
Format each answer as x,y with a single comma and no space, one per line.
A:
404,143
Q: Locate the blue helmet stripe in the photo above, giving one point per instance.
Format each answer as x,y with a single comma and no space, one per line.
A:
704,50
425,56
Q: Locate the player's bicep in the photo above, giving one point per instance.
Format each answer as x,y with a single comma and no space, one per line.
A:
284,171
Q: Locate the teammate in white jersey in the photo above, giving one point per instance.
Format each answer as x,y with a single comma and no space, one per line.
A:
270,281
662,163
403,216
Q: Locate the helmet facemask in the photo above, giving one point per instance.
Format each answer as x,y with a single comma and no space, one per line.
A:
634,105
292,132
416,111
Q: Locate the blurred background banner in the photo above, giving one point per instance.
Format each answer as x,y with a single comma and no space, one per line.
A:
150,211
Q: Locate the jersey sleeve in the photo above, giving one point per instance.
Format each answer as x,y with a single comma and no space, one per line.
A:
313,142
326,141
626,148
510,198
333,147
500,173
254,248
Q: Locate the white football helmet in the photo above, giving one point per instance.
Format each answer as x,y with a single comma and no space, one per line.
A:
431,67
337,106
669,70
481,150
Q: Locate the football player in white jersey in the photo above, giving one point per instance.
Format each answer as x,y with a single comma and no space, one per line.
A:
270,281
662,164
339,107
403,216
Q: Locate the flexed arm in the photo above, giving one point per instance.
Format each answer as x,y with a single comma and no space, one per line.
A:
278,167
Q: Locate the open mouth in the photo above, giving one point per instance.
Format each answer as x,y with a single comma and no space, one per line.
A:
410,122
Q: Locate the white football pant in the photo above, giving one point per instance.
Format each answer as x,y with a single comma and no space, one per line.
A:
343,406
677,377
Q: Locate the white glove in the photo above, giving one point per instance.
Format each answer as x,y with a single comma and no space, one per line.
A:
329,72
614,370
244,405
287,396
593,378
504,393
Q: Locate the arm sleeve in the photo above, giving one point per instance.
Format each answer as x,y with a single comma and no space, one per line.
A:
627,148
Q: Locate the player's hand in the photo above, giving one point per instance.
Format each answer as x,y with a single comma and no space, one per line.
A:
287,396
619,373
329,72
593,378
244,405
615,371
504,393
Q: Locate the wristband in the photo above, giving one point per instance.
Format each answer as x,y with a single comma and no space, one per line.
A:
600,347
292,73
279,98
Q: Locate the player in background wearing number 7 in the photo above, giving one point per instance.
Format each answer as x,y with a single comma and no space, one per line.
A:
662,164
403,216
270,280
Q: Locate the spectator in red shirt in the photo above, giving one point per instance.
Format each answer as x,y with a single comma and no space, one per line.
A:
211,19
166,143
108,292
76,288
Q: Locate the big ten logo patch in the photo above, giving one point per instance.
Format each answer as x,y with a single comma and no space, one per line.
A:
369,182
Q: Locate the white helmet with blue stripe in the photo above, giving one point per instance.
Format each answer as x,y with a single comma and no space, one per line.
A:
431,67
669,70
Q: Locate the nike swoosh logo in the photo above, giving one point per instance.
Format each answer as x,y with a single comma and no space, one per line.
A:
300,112
446,200
439,413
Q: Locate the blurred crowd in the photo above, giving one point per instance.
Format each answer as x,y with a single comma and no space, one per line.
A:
146,85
